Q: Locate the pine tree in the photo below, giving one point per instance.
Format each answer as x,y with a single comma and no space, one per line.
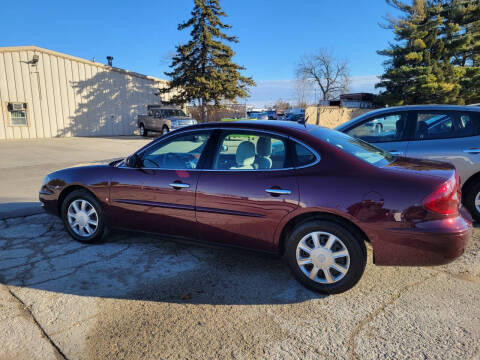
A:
461,35
415,72
202,69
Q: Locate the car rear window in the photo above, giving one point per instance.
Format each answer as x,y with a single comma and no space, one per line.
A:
446,125
356,147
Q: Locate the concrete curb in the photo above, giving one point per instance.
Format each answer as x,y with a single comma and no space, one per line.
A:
13,210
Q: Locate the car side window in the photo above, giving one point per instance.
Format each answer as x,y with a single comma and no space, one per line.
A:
303,156
250,151
445,125
180,153
384,128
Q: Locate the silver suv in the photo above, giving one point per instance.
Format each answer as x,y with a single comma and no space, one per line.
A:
438,132
163,119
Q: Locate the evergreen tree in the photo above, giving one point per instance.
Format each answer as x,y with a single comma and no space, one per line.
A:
461,35
202,69
436,54
415,72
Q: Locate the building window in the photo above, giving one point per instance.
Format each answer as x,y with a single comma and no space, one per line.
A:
18,114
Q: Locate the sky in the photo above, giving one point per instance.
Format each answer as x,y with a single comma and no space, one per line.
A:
141,35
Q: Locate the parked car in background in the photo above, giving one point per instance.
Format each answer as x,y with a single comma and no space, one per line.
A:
300,118
272,115
280,114
437,132
309,193
163,119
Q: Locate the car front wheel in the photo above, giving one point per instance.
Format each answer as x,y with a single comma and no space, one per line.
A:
325,256
83,216
472,200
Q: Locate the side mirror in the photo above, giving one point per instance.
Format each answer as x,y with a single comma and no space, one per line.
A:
134,161
224,148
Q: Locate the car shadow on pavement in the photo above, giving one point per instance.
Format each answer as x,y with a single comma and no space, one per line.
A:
37,253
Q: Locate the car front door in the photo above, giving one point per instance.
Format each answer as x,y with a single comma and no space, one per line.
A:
450,136
387,131
251,186
159,196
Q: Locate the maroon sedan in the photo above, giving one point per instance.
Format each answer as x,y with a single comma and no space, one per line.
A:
311,194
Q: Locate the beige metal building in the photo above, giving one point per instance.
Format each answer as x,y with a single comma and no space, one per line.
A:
46,94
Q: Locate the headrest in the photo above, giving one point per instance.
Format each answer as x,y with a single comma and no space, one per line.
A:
400,124
264,146
245,153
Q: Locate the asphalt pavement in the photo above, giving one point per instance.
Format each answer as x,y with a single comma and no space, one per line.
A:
142,297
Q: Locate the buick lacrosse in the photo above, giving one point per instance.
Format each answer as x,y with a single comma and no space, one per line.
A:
313,195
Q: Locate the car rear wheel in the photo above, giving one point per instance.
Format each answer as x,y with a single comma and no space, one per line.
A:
472,200
143,131
325,256
165,130
83,216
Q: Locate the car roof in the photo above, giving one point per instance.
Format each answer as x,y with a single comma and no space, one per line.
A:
432,107
272,125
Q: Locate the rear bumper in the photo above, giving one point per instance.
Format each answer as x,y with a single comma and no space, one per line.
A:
435,242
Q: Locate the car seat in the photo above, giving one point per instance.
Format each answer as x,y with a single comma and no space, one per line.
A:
400,128
245,156
422,131
264,150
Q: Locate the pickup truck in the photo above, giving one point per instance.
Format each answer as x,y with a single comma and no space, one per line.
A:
163,119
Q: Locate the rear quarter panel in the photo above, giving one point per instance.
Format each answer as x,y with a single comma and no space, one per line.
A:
451,151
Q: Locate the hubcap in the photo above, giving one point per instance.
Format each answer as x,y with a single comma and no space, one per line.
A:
165,131
323,257
82,218
142,130
477,202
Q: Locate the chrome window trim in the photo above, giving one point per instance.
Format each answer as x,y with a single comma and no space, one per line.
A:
314,152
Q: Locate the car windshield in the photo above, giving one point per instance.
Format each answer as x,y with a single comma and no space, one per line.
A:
177,112
356,147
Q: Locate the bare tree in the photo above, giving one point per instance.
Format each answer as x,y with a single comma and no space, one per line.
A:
282,105
328,73
302,87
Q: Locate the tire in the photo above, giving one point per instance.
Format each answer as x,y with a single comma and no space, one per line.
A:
80,203
342,242
143,131
471,200
165,130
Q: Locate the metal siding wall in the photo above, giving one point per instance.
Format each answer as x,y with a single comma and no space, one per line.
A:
70,94
57,96
70,98
49,96
31,132
43,97
20,93
77,96
3,98
12,133
82,92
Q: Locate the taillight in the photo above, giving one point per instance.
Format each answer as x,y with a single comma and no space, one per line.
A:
446,199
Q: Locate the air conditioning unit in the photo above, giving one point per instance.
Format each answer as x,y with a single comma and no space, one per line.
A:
17,106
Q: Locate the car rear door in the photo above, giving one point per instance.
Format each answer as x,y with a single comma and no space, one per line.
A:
160,195
388,131
251,186
450,136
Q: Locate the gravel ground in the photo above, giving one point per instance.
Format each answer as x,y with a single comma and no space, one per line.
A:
141,297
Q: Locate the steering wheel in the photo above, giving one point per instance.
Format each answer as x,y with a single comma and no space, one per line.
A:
152,161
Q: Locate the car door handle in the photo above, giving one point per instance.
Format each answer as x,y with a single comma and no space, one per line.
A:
395,152
179,185
278,191
472,151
